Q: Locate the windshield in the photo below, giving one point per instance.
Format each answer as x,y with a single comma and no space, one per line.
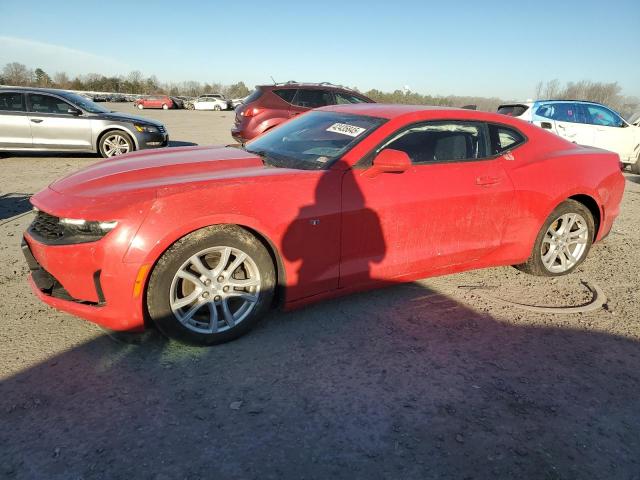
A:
84,103
314,140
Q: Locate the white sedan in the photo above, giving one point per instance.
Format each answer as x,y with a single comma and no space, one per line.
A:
210,102
584,123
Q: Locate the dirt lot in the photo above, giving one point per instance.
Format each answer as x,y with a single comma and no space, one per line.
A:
433,379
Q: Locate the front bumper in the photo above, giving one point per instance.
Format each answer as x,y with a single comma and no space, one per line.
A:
78,279
147,140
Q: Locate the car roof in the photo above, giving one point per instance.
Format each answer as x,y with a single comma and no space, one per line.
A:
554,100
310,85
389,110
55,91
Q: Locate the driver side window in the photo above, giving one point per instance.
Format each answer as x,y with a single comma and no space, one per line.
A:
597,115
446,141
48,104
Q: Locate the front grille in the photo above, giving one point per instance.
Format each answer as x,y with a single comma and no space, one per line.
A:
47,226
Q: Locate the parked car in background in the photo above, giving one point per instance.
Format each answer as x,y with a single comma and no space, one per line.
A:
270,105
211,101
36,119
177,102
236,102
155,101
385,193
585,123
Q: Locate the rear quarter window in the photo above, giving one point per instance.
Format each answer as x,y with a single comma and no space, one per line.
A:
286,94
504,139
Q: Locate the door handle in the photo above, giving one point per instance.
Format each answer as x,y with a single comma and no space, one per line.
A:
486,180
36,120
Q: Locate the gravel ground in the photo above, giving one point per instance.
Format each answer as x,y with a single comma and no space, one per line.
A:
432,379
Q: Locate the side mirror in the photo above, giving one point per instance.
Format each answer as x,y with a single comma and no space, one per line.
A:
391,161
74,111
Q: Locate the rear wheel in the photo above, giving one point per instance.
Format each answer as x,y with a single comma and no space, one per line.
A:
563,241
114,143
211,286
217,108
635,167
140,106
165,106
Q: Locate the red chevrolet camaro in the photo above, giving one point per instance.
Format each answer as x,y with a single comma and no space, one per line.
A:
201,241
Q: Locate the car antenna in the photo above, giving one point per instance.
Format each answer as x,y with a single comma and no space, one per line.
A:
273,79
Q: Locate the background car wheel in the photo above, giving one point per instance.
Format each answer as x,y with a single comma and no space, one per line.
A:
140,106
563,241
635,167
211,286
165,106
217,108
114,143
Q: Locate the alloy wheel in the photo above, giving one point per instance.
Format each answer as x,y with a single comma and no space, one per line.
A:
215,290
116,144
564,242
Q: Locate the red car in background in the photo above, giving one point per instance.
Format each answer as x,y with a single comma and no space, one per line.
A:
155,101
202,241
270,105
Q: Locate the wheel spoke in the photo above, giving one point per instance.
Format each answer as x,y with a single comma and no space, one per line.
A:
246,296
192,311
222,264
199,266
191,278
249,282
183,302
213,317
228,316
240,258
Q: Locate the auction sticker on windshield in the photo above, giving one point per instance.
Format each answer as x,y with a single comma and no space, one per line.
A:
346,129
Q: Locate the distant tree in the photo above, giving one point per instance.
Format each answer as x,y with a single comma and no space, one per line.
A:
15,73
237,90
61,80
41,78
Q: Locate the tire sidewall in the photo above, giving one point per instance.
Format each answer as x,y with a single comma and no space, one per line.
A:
568,206
159,286
119,132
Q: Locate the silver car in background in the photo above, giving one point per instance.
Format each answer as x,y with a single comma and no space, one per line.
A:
38,119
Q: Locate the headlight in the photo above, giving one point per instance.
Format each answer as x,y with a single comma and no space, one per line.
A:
80,231
146,128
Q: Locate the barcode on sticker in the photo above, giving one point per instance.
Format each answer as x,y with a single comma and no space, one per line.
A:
346,129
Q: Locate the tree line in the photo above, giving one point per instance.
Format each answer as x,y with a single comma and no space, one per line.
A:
136,83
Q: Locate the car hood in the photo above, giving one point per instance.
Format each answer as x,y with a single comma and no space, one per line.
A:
125,117
164,169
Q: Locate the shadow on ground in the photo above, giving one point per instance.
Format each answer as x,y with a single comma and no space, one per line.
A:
178,143
12,204
398,383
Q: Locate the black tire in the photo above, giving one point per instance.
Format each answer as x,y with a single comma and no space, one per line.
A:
535,265
160,283
103,138
635,167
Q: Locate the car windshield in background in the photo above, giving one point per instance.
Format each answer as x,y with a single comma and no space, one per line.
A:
84,103
313,141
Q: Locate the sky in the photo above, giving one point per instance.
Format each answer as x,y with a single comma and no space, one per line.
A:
485,48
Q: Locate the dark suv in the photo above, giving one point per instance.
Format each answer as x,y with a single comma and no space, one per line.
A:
270,105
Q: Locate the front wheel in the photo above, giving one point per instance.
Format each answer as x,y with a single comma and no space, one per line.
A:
140,106
563,241
114,143
165,106
217,108
211,286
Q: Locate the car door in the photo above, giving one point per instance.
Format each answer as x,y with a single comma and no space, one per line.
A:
565,119
54,127
15,128
448,209
307,98
611,132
